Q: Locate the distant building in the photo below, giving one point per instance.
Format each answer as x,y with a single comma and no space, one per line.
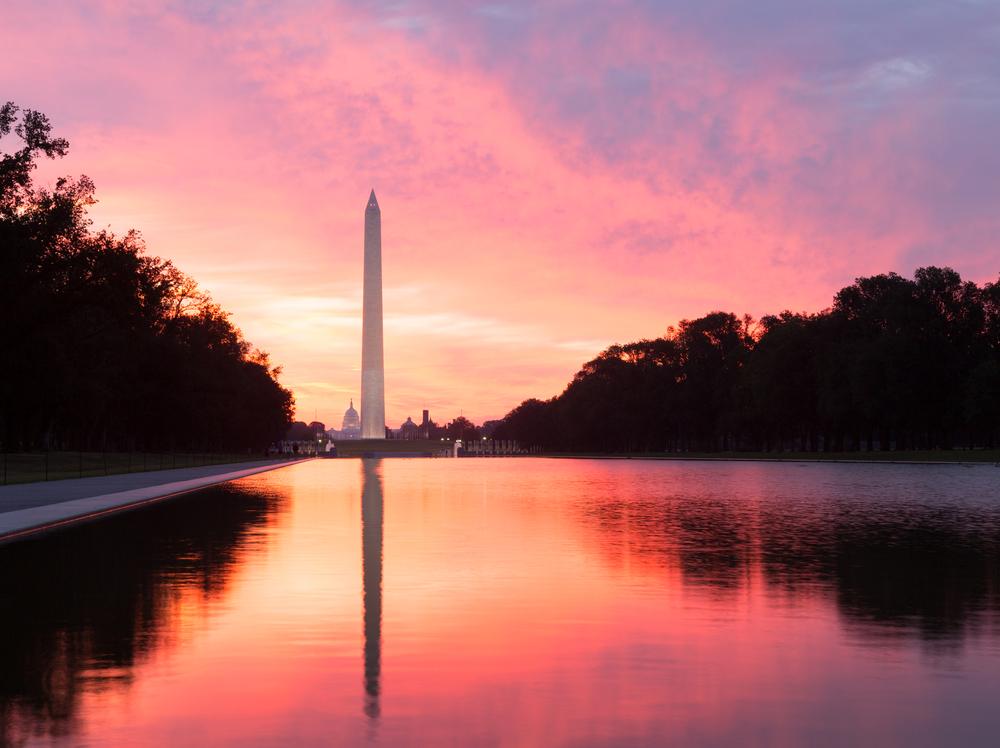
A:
301,438
409,430
350,427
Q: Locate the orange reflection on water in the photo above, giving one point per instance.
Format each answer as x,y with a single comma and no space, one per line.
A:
528,601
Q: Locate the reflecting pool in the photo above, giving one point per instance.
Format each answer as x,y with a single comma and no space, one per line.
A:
518,601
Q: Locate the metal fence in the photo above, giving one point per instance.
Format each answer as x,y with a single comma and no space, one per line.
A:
29,467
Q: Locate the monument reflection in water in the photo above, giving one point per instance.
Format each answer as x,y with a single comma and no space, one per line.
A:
533,602
371,563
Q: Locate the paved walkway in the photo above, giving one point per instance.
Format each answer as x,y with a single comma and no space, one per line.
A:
28,508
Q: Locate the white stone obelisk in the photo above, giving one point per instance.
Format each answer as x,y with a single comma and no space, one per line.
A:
372,363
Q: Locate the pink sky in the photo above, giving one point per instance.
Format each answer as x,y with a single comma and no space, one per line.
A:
553,177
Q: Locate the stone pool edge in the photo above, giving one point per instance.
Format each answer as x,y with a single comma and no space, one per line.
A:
22,524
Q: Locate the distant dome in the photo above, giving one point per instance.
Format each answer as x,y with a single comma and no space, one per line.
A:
352,420
409,429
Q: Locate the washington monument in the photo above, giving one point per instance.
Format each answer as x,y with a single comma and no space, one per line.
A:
372,364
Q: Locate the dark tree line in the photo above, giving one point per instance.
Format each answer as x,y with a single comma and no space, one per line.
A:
893,364
459,428
105,346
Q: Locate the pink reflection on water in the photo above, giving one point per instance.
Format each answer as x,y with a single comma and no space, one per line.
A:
537,602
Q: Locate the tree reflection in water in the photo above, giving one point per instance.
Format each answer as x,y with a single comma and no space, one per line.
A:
894,567
726,574
82,607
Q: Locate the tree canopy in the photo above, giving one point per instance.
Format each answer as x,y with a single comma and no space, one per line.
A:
894,363
106,346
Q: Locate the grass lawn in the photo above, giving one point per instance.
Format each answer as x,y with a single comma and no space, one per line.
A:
28,467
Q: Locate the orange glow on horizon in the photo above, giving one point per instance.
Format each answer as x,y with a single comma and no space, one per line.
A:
514,249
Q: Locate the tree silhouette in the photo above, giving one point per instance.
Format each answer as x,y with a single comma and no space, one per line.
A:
893,364
106,346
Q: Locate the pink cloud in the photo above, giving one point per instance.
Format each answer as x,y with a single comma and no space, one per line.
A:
596,183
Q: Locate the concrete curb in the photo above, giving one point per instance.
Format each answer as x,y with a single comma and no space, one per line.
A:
24,523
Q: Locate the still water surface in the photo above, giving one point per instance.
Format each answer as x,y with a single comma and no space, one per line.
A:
518,602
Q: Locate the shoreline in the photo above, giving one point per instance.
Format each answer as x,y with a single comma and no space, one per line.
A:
989,459
99,500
